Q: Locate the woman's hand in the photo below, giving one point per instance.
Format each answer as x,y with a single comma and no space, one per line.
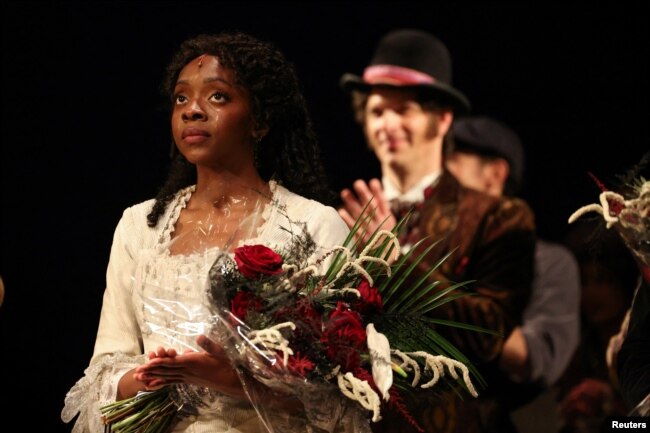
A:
208,368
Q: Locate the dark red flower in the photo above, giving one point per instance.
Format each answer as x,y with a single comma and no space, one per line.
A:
601,185
300,365
363,374
370,299
255,261
344,337
615,206
396,403
308,321
243,302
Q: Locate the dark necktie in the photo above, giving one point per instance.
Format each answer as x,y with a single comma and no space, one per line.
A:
401,209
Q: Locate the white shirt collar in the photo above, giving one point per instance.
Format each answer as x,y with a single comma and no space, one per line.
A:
413,195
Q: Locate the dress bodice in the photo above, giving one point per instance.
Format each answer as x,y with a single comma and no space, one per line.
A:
154,298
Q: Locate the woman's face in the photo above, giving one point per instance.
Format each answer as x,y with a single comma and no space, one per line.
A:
212,123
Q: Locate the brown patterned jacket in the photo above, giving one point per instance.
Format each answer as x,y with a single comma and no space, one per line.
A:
494,240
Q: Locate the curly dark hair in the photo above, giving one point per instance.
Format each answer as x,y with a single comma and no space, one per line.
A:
289,152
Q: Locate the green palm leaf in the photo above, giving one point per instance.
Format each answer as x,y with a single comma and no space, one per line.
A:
417,292
441,298
394,282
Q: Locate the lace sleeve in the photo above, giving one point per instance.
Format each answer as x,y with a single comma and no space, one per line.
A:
118,346
96,389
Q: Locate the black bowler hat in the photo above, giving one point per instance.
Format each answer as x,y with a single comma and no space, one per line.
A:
489,137
411,59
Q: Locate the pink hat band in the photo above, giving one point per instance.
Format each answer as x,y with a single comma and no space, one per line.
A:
395,75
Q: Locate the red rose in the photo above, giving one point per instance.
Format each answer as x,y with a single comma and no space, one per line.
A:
243,302
344,337
370,298
255,261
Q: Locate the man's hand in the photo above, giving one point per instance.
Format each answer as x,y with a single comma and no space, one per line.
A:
354,203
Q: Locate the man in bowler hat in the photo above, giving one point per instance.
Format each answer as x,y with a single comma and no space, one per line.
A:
406,105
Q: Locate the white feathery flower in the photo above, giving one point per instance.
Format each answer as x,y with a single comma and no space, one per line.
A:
271,338
364,257
360,391
408,364
436,364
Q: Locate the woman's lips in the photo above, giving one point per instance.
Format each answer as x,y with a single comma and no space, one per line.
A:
193,135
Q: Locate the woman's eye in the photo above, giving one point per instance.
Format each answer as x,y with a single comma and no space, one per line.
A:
220,97
179,99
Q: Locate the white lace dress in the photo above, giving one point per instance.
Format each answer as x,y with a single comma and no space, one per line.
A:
153,298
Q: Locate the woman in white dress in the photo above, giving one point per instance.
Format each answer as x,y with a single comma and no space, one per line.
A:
245,169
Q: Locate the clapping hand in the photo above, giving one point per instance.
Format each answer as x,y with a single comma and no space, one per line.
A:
354,204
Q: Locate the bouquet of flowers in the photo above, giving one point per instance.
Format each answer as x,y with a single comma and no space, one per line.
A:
627,212
360,332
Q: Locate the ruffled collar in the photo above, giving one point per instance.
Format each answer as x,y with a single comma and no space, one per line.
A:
182,197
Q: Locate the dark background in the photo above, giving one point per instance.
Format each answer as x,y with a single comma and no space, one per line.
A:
83,135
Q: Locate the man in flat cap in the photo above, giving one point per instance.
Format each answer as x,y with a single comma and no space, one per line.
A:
406,106
488,156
